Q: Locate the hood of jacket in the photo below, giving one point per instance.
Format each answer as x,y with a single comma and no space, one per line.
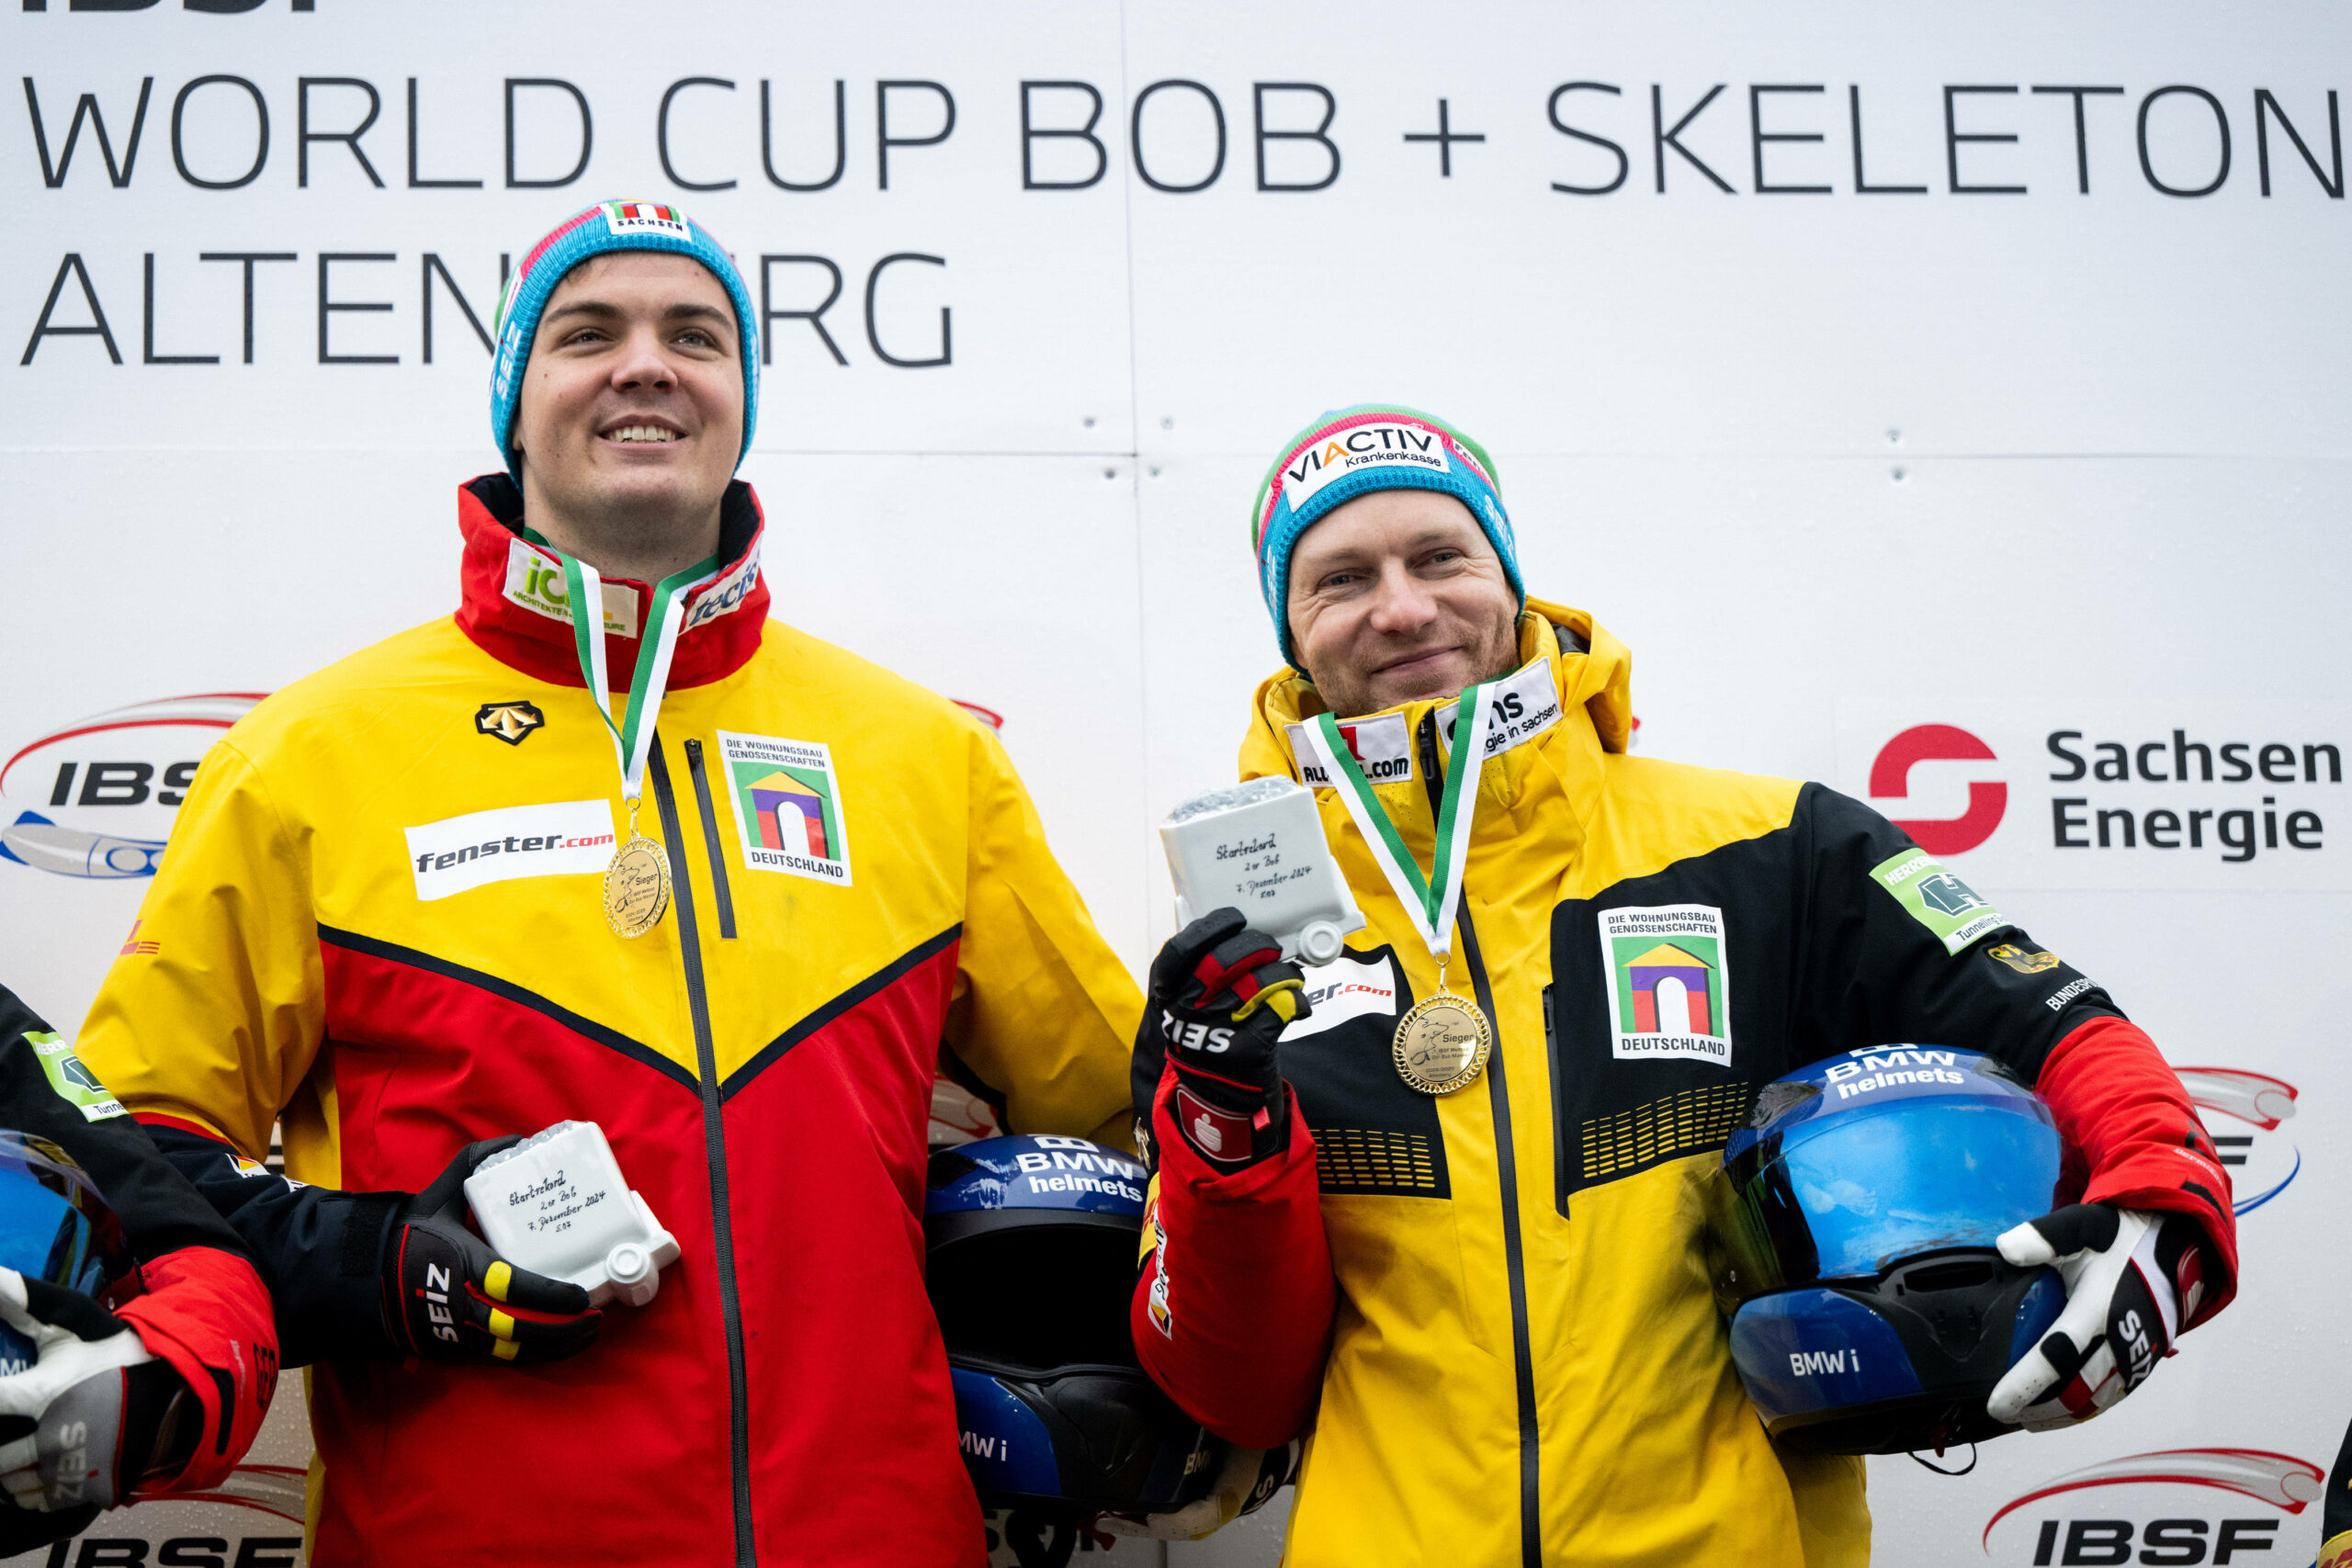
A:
514,605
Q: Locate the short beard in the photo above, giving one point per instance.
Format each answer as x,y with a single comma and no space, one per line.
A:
1346,695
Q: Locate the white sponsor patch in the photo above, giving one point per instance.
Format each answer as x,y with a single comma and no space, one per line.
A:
1669,982
1383,747
1381,445
1344,989
725,596
534,580
1526,704
788,801
565,837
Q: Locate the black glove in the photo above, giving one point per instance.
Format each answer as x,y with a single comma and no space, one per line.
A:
448,1297
2131,1278
1219,999
92,1416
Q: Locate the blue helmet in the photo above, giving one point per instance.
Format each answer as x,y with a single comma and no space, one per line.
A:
54,1225
1870,1310
1031,1245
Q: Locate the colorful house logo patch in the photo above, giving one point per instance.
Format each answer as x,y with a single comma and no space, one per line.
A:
788,805
1668,982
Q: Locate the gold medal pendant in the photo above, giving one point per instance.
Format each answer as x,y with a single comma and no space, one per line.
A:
636,885
1442,1043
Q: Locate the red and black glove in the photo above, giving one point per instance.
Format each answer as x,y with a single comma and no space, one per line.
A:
1220,997
448,1297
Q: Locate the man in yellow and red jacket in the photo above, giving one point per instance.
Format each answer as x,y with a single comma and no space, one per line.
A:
444,893
1488,1293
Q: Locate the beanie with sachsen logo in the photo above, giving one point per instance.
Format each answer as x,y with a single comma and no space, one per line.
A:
609,226
1351,452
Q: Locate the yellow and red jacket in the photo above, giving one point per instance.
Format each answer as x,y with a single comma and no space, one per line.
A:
1525,1363
379,920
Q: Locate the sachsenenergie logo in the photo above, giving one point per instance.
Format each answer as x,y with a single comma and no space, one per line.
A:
1987,799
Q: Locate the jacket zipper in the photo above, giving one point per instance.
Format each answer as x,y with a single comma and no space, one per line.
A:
719,892
714,1135
1531,1496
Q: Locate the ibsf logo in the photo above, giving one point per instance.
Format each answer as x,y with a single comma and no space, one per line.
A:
2260,1165
2161,1508
96,798
1987,799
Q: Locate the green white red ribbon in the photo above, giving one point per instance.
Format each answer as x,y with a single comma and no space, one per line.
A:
633,736
1429,900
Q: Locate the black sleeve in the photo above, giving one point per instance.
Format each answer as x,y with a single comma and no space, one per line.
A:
320,1251
1892,948
47,1091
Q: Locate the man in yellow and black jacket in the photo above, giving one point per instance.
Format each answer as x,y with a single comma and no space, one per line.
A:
1491,1303
386,918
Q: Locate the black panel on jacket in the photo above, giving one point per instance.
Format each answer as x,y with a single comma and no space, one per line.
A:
1817,958
1373,1132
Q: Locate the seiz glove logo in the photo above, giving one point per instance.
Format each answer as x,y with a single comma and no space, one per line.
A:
1187,1036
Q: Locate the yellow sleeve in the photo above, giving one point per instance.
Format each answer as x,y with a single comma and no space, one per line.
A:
1043,1011
213,1017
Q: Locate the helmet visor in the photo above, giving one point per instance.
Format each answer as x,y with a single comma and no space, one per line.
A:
1846,1196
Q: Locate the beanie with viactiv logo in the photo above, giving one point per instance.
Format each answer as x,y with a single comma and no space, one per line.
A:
1352,452
606,227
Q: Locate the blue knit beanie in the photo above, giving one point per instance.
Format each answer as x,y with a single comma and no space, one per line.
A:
1350,452
606,227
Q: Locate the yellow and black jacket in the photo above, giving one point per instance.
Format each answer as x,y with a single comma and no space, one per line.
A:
1525,1361
378,920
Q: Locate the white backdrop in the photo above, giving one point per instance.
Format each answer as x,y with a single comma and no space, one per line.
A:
1838,464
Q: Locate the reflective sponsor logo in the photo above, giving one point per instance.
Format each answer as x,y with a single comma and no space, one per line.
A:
96,798
2018,959
1359,448
1948,907
562,839
787,805
1669,982
509,722
2161,1508
72,1079
1347,988
1382,747
534,580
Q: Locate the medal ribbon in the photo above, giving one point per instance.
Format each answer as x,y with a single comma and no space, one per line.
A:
1429,900
633,736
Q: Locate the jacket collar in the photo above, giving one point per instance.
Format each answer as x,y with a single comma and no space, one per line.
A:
513,596
1574,703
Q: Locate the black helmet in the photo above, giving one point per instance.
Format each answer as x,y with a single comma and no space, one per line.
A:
1032,1243
1870,1310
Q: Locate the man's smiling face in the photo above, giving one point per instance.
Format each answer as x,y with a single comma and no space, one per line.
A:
633,403
1397,595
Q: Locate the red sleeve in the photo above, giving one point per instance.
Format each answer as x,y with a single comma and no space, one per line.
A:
1233,1313
2141,1144
207,1314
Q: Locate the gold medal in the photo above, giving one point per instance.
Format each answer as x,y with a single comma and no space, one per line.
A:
1442,1043
636,885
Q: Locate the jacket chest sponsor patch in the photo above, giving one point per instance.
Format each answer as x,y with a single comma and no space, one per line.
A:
1953,910
1345,989
1669,982
564,837
788,803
